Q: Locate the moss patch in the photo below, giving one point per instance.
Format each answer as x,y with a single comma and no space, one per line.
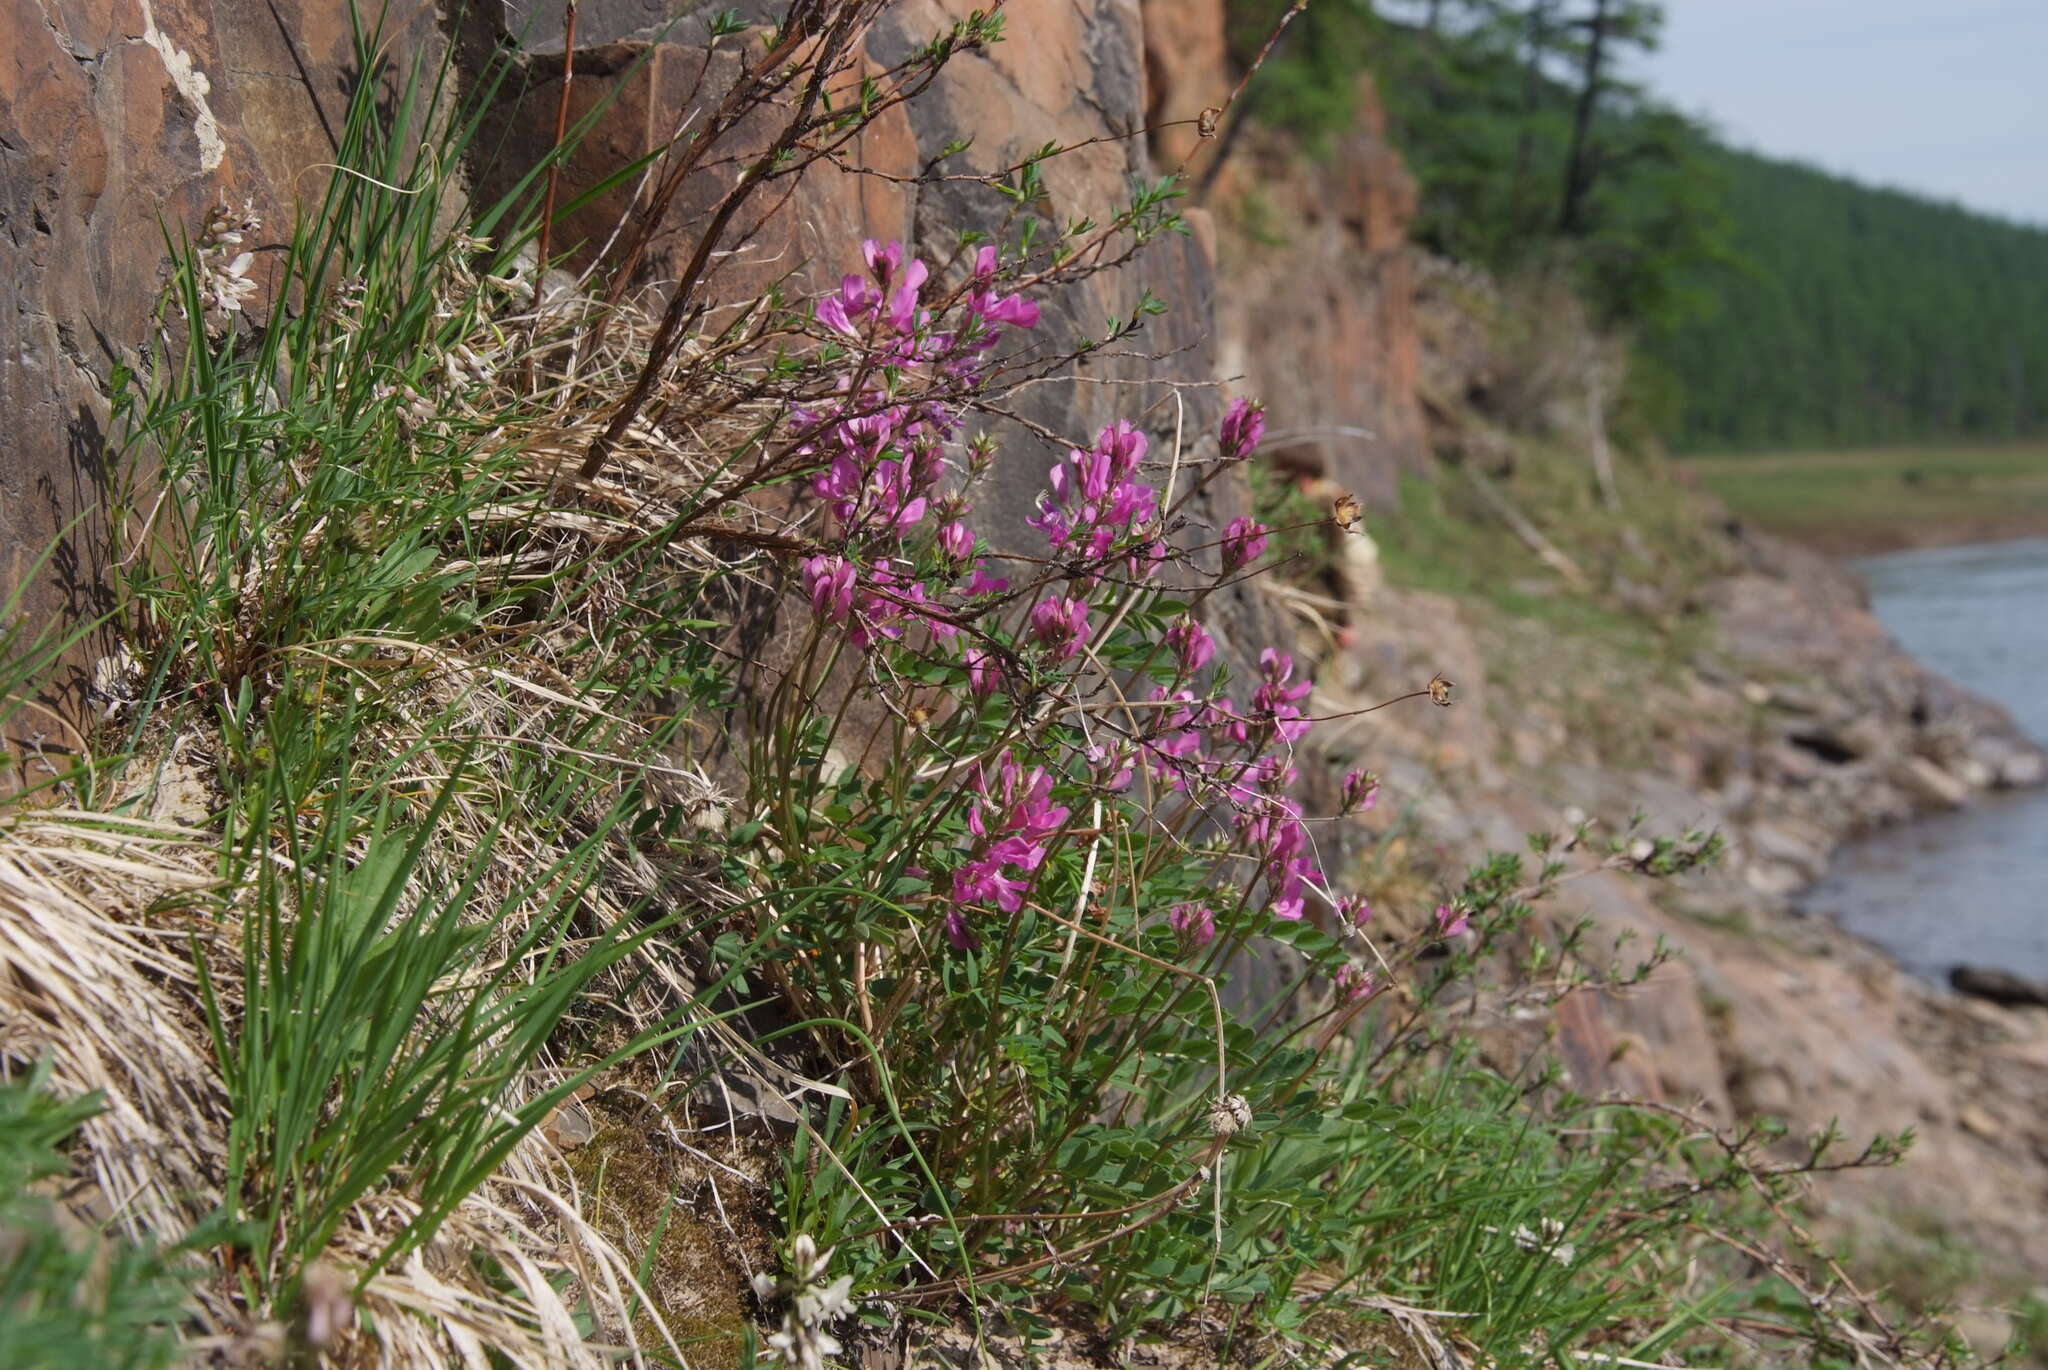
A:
694,1249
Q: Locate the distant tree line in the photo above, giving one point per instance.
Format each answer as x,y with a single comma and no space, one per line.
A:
1859,315
1776,305
1530,147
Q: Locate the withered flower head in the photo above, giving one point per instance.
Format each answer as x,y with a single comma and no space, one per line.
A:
1229,1115
1440,691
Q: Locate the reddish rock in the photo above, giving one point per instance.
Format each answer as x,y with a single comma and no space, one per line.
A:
120,122
1185,74
1318,314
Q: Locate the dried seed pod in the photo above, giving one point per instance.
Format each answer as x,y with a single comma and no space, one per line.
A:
1229,1115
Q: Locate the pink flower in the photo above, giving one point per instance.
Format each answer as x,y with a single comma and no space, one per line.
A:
903,311
1244,542
873,606
1144,562
983,303
1112,766
957,931
853,300
983,882
1012,820
1123,444
1061,623
1275,704
1354,911
1191,644
1094,504
1361,791
984,583
1022,803
829,581
869,492
890,499
927,611
1290,906
1452,919
832,314
1194,924
1174,747
1271,826
1243,429
1032,811
1353,983
1013,310
883,261
1051,520
983,674
956,540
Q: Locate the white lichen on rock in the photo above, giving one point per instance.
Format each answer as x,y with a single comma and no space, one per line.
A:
191,83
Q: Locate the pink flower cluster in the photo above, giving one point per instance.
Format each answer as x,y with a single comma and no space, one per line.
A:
1452,919
884,311
1060,625
1353,983
877,496
1270,822
1276,704
882,442
1097,506
859,306
1244,428
1193,924
1361,791
1012,823
1190,644
1244,542
986,307
1197,744
871,606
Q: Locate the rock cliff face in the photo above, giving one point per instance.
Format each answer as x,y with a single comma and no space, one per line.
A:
1324,326
120,119
122,122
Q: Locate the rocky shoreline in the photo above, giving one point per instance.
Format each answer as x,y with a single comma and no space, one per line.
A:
1726,679
1848,544
1802,728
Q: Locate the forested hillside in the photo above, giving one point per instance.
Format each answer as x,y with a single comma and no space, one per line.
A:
1532,149
1856,315
1776,305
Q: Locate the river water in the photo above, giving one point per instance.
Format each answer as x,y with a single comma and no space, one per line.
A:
1969,886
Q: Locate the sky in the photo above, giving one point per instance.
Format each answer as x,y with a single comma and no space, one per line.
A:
1945,97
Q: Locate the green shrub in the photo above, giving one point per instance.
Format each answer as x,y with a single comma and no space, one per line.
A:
71,1298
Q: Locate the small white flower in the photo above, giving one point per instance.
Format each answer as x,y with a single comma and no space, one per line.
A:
117,682
822,1303
1549,1241
800,1346
808,1262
